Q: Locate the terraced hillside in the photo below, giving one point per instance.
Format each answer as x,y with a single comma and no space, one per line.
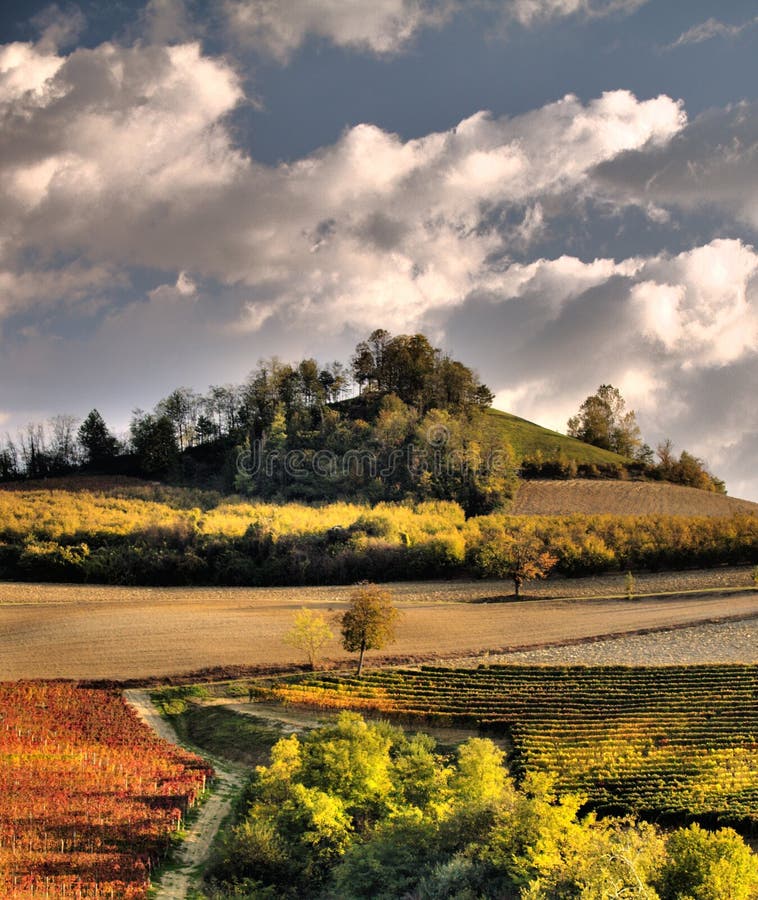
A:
634,498
665,742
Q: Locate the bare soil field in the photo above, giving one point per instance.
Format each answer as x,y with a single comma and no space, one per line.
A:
72,631
634,498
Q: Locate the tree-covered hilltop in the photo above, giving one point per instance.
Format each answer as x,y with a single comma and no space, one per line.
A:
604,421
402,421
414,429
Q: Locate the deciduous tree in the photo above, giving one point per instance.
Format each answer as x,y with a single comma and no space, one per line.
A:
519,556
705,865
369,621
309,633
604,421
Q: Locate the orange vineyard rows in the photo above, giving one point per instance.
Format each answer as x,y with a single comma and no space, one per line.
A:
89,796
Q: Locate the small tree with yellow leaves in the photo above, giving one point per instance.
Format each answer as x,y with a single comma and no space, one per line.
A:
309,633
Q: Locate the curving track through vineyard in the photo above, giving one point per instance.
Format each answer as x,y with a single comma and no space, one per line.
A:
175,883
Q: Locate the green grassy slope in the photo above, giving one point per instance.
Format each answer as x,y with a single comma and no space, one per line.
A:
524,436
527,438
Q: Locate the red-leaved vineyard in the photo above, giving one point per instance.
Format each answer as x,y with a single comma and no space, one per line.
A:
89,796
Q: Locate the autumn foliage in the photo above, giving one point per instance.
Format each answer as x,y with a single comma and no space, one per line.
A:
89,796
136,533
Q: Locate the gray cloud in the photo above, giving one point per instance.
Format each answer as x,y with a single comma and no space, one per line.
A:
168,22
122,157
59,28
712,162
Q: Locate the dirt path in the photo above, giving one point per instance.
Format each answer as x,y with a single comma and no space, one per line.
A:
292,719
175,884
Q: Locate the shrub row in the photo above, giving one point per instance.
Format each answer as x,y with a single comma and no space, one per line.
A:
150,539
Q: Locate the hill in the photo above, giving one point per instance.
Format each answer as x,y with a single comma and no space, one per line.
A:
529,439
420,428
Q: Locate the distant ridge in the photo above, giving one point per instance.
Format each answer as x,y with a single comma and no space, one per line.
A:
634,498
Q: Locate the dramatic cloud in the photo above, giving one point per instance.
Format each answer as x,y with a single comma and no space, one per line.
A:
701,305
712,163
104,143
121,156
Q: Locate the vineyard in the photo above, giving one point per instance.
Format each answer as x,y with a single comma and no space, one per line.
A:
89,796
670,743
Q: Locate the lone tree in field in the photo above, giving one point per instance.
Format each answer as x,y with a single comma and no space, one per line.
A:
518,556
309,633
369,621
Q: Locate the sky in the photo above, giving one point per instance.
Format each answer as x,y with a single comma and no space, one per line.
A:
560,193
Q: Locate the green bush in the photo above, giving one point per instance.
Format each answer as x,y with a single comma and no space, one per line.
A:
50,561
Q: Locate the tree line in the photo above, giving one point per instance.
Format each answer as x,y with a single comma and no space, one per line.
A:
603,420
402,420
152,534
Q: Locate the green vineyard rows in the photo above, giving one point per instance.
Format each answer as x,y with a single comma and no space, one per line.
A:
669,743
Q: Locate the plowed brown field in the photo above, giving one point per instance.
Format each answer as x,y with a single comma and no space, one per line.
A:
71,631
633,498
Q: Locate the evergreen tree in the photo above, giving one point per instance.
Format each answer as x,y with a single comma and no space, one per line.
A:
155,444
97,443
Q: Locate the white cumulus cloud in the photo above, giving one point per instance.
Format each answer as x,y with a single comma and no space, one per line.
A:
122,156
529,12
711,164
377,26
